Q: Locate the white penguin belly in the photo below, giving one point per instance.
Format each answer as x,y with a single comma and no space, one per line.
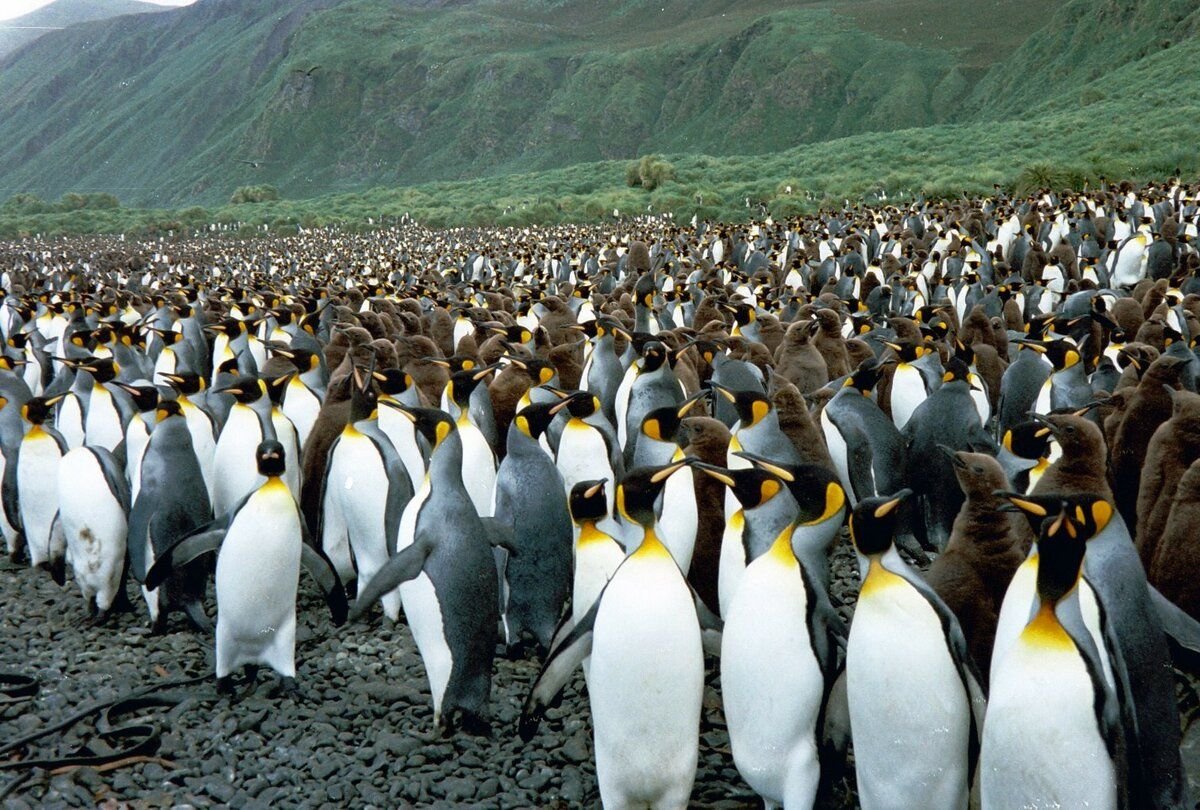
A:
679,520
583,456
94,526
37,488
69,421
301,406
258,571
771,683
908,391
909,714
204,445
1040,707
234,468
102,427
646,685
404,438
358,480
478,469
732,563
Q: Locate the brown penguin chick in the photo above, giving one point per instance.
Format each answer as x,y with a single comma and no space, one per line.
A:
1127,314
1154,296
976,328
796,422
858,350
1063,254
1148,407
985,549
556,319
507,387
770,332
831,344
439,326
429,377
1152,333
798,360
906,329
1172,449
707,439
1014,319
1082,465
990,366
567,360
708,312
1134,359
331,419
385,354
638,258
468,347
1177,556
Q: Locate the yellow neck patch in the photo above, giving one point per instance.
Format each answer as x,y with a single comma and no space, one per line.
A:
589,535
651,547
1045,631
835,501
781,550
878,579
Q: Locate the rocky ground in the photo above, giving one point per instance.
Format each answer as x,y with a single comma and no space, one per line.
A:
360,734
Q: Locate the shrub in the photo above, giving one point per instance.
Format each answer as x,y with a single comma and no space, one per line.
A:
254,194
650,172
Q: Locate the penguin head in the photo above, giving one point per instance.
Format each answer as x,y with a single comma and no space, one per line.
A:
303,359
873,522
533,420
187,383
393,381
814,487
102,369
245,390
463,383
752,406
1051,516
277,387
1075,434
867,375
662,424
145,397
580,404
38,409
270,458
654,355
907,351
587,501
1029,440
639,490
956,371
752,486
1060,557
1062,353
979,475
10,363
433,423
168,408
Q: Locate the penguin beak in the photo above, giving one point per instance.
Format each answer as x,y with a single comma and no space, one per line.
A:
594,490
403,410
719,473
953,455
767,465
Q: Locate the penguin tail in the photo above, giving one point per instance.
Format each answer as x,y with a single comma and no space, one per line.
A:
197,616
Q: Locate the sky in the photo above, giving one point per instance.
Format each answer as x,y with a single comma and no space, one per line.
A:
15,8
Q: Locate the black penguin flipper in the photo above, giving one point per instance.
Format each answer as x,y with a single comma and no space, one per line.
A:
182,553
859,462
321,569
400,492
560,665
114,476
835,728
1181,630
400,568
500,535
8,490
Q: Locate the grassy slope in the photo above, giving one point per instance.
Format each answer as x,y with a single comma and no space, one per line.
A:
408,92
1151,141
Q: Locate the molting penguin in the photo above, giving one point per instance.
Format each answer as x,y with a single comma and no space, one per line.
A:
36,476
93,507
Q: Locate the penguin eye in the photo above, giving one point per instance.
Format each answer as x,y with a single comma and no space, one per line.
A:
1071,429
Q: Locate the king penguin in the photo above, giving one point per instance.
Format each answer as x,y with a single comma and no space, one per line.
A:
93,506
36,509
911,749
260,547
447,577
645,635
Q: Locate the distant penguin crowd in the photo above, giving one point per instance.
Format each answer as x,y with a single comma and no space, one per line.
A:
633,448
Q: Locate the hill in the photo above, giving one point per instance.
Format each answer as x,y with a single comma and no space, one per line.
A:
324,95
62,13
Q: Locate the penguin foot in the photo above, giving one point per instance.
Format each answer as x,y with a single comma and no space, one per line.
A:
225,686
58,571
99,618
89,607
468,721
158,625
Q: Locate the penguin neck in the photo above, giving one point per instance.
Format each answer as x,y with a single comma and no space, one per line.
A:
651,546
589,534
1045,629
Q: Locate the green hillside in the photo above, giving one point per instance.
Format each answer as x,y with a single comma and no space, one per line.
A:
25,29
321,95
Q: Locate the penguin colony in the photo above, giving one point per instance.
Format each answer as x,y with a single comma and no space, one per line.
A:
631,449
